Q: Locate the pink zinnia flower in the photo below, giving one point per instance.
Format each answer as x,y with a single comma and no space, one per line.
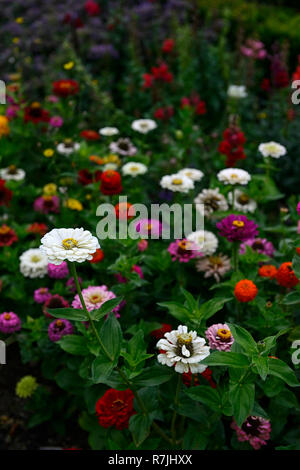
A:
41,295
58,271
56,121
151,228
59,328
142,245
219,337
298,208
237,228
94,297
261,245
9,322
255,430
183,250
46,204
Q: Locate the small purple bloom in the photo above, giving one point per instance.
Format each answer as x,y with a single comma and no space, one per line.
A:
261,245
9,322
255,430
183,250
59,328
56,121
58,272
219,337
237,228
46,204
41,295
298,208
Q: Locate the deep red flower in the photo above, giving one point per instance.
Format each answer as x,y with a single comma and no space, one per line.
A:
111,182
160,332
265,84
168,45
38,228
122,209
5,194
195,102
89,134
187,378
115,408
85,177
92,8
65,88
7,236
162,73
164,114
148,80
232,145
97,256
55,301
35,113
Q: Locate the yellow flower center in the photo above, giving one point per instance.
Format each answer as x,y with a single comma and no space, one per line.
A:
134,168
224,334
35,258
95,298
184,245
7,316
177,181
4,229
238,223
184,338
59,323
69,243
35,105
12,169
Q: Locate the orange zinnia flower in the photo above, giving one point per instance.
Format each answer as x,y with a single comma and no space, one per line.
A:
245,290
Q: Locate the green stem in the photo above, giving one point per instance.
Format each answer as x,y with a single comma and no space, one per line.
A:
173,429
235,256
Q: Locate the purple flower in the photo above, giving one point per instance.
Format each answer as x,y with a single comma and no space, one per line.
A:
9,322
41,295
183,251
219,337
70,284
56,121
237,228
46,204
99,51
255,430
59,328
58,272
298,208
261,245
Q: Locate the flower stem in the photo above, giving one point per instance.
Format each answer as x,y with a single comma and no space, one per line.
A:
173,429
235,256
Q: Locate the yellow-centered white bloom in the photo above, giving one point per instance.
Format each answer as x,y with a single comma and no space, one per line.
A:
272,149
184,349
205,241
33,263
69,244
177,183
192,173
12,173
143,125
108,131
68,147
234,176
134,169
242,202
209,201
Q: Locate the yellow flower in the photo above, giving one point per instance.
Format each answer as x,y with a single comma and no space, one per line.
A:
69,65
20,20
50,189
73,204
26,386
16,40
88,196
4,126
262,115
112,159
48,153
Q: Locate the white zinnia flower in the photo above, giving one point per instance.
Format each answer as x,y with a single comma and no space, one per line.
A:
205,241
192,173
272,149
177,183
209,201
108,131
242,202
33,263
67,147
234,176
69,244
237,91
184,349
134,169
143,125
12,173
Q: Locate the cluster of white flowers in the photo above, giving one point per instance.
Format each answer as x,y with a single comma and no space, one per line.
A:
12,173
143,125
69,244
205,241
237,91
234,176
272,149
134,169
182,181
183,349
33,263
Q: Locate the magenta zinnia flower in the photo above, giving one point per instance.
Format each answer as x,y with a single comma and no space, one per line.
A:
219,337
94,297
9,322
237,228
58,271
55,301
41,295
183,250
59,328
255,430
46,204
261,245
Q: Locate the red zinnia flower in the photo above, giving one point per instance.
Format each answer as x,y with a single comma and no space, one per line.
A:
285,275
65,87
85,177
187,378
111,182
5,194
168,45
115,408
164,114
97,256
89,134
35,113
122,209
232,145
38,228
160,332
7,236
92,8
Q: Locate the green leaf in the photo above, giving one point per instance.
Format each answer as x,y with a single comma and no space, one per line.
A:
139,425
296,265
206,395
136,350
177,310
230,359
102,367
292,298
73,344
152,376
209,308
262,365
111,336
242,400
243,337
283,371
105,308
68,313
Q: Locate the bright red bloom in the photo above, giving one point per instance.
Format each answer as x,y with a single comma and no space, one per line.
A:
35,113
187,378
232,145
162,73
97,256
92,8
164,114
285,275
89,134
38,228
111,182
148,80
85,177
122,210
168,45
195,102
5,194
7,236
65,88
160,332
115,408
